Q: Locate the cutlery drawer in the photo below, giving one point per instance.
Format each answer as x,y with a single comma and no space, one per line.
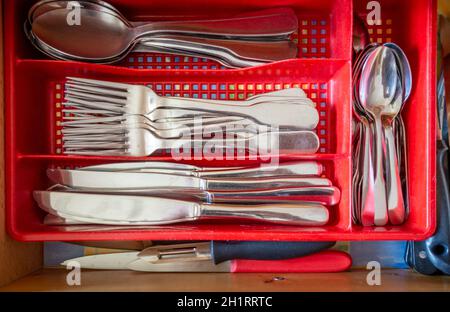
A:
34,87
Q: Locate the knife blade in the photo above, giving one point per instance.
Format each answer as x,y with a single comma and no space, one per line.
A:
146,210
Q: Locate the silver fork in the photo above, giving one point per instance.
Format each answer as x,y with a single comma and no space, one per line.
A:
139,142
133,99
290,95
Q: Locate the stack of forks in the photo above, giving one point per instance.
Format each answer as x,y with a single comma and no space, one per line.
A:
112,118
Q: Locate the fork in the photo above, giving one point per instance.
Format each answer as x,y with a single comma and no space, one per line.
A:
133,99
140,142
294,94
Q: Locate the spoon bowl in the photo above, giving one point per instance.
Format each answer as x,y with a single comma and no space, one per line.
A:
97,29
378,84
405,68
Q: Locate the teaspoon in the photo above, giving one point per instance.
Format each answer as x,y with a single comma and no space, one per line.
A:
378,88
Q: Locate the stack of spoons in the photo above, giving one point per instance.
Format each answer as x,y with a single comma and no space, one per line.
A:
101,34
381,86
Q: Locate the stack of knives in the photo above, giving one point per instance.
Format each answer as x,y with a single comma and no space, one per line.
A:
157,193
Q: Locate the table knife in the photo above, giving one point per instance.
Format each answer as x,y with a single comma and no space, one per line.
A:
85,179
324,195
146,210
304,168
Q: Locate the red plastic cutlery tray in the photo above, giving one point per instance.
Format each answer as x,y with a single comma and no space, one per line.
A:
34,89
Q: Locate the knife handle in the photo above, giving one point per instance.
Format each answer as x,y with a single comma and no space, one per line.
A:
260,250
328,261
289,214
262,183
328,196
306,168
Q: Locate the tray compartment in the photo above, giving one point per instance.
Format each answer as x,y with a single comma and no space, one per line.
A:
26,223
408,23
319,23
327,87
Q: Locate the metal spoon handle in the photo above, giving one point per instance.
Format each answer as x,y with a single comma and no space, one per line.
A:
140,48
229,58
381,215
267,23
251,50
368,184
396,206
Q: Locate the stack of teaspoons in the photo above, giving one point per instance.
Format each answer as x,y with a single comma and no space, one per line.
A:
381,86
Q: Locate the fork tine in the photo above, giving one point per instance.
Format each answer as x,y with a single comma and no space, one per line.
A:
95,90
97,120
94,138
81,107
88,96
79,117
88,111
110,152
101,83
94,145
80,101
91,121
88,129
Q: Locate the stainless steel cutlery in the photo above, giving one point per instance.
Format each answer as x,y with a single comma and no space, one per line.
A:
382,84
111,118
299,169
112,209
246,40
89,179
158,193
